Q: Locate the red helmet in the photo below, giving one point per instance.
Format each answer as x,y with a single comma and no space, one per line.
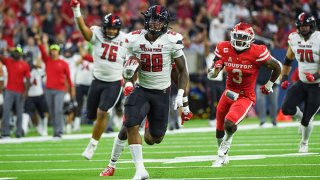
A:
242,36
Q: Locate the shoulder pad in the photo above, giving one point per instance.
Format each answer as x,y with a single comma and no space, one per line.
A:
134,35
174,37
292,35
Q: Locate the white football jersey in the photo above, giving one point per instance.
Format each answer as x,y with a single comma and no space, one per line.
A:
108,55
84,73
156,57
36,85
306,53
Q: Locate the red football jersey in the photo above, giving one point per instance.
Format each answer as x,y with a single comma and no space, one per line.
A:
242,68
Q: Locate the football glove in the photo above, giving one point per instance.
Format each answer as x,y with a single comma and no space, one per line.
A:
284,82
267,88
312,77
75,5
130,67
186,114
128,88
179,99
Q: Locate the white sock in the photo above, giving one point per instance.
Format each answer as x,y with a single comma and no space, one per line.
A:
77,123
118,146
229,138
306,132
298,114
136,152
93,142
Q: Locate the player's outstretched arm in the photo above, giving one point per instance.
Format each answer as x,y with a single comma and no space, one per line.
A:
183,79
286,68
84,29
216,67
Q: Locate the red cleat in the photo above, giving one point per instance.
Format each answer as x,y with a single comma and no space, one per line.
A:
109,171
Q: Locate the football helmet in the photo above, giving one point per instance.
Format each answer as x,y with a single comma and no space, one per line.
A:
110,23
306,19
242,35
156,20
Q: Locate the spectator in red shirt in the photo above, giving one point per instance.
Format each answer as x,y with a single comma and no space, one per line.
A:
57,71
16,90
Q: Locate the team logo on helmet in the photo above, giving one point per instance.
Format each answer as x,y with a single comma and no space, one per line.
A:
111,21
306,19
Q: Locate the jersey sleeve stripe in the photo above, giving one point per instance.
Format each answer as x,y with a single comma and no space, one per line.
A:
266,51
216,53
267,56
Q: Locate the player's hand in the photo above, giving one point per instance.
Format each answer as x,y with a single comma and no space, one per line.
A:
218,64
310,77
130,67
74,3
265,90
284,82
128,88
179,99
186,114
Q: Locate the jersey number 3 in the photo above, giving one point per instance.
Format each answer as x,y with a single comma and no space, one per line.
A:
305,55
151,62
110,51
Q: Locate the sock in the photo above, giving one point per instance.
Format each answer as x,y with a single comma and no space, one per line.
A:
229,138
136,152
298,114
219,140
306,132
93,142
118,146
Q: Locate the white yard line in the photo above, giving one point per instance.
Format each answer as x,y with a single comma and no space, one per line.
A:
178,131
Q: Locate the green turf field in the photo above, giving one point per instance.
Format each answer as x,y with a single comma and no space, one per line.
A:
259,153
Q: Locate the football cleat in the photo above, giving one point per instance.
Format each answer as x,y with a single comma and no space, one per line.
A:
220,161
89,151
108,171
303,148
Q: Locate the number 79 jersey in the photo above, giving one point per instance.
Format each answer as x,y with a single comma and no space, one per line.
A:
306,53
156,57
108,55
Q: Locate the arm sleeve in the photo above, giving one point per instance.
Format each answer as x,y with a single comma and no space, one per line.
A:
44,54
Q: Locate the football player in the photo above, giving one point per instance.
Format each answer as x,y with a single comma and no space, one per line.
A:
304,47
241,59
155,47
120,140
108,58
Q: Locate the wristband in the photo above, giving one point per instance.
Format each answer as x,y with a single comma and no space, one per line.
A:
185,99
269,85
316,76
128,84
76,11
180,92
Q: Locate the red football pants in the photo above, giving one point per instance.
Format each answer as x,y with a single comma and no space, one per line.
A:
234,111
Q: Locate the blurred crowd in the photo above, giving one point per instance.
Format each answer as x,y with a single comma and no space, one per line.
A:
203,23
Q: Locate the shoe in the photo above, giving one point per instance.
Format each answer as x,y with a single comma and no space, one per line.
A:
220,161
89,151
303,148
141,175
5,137
108,171
274,123
263,124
